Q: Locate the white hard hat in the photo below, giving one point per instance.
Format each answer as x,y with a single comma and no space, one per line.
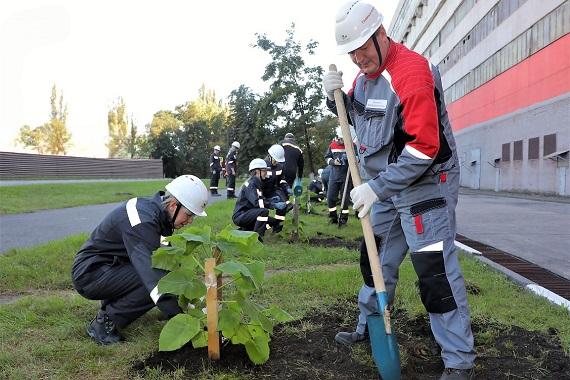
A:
236,144
356,21
338,132
217,147
258,163
191,192
277,152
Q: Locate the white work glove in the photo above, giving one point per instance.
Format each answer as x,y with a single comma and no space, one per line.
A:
362,199
332,80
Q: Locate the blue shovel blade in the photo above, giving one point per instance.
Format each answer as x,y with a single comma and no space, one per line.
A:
385,349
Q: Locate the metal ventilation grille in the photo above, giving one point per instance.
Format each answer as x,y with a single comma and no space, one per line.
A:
533,272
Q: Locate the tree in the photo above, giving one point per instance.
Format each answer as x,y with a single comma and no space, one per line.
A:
243,126
53,136
118,126
163,120
294,102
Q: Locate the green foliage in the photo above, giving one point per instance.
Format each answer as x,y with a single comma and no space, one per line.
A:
51,137
117,122
183,139
294,102
240,320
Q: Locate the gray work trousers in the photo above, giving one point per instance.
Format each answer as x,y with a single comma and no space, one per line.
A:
422,219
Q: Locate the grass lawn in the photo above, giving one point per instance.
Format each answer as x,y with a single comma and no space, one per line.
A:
42,333
30,198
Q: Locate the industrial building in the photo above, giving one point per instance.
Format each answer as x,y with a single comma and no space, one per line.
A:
505,67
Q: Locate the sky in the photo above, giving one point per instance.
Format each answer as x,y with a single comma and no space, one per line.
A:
155,55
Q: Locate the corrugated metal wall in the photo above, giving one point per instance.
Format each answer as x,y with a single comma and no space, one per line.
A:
553,26
24,165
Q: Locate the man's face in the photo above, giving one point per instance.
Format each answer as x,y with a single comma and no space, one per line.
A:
184,217
263,173
366,57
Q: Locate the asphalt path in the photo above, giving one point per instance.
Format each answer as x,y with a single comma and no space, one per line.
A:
26,230
537,230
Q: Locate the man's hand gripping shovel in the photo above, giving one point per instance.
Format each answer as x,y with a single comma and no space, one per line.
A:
384,346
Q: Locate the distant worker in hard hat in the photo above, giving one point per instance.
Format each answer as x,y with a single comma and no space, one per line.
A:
215,170
294,161
316,190
115,264
251,212
337,160
408,152
275,188
231,169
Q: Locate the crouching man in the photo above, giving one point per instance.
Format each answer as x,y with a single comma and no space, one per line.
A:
115,266
250,212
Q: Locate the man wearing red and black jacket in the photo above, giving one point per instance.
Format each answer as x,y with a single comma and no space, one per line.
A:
338,163
407,150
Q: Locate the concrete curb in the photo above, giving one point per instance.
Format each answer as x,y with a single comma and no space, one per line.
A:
517,278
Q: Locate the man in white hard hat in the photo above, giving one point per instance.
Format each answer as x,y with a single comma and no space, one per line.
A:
251,212
231,169
215,170
115,266
275,187
407,149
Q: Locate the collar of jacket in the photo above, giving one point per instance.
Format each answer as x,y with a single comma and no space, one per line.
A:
166,227
392,50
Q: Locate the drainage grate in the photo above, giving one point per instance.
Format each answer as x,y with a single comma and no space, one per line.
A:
551,281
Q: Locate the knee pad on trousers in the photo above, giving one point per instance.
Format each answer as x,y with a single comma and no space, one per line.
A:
435,290
365,263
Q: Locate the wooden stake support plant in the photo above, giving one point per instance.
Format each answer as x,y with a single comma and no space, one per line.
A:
212,309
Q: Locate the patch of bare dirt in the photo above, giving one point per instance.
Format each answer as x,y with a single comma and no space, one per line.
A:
305,349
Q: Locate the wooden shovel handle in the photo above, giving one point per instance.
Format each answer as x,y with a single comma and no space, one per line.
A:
357,181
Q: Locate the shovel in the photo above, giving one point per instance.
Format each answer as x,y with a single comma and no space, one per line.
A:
385,349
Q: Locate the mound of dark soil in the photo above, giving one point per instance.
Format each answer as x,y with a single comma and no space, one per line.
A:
335,242
305,349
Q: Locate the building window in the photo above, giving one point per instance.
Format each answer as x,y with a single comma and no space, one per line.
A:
506,155
533,148
549,144
517,150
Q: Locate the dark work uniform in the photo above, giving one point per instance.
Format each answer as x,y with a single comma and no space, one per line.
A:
114,265
250,213
337,177
276,190
294,161
231,171
215,169
317,193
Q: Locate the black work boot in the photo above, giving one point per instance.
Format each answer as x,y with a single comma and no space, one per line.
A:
103,330
342,220
350,338
278,227
333,217
457,374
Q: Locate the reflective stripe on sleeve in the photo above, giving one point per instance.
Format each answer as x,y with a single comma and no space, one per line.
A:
280,217
132,212
155,295
416,153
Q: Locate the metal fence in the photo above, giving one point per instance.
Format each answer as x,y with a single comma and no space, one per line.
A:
24,165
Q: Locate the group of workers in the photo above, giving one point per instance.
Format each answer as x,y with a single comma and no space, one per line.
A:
410,166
